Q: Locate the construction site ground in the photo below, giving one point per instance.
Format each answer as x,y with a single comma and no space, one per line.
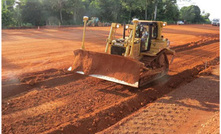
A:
39,95
189,109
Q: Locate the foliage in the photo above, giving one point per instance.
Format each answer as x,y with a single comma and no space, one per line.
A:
70,12
191,14
168,11
205,18
7,13
32,13
6,18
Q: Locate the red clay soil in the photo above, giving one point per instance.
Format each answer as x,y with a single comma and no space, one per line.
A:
192,108
31,50
40,96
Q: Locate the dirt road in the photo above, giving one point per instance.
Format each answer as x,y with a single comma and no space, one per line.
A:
39,96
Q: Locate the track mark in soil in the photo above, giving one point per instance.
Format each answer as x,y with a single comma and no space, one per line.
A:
15,89
195,44
54,77
95,104
34,111
37,96
36,76
181,111
98,121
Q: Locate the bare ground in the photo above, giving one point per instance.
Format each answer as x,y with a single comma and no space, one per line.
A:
192,108
40,96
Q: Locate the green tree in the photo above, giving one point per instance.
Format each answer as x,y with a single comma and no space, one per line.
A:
168,11
75,10
7,13
133,8
18,12
191,14
6,18
66,12
32,13
8,4
105,10
205,18
94,8
59,6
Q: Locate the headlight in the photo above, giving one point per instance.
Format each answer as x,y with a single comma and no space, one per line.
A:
126,27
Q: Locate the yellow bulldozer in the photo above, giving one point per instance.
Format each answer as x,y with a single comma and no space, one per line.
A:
134,60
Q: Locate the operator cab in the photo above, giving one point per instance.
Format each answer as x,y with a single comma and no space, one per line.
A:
146,31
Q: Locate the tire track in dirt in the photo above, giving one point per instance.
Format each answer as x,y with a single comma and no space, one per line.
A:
101,105
73,110
19,54
191,45
44,94
183,110
195,57
33,111
10,89
93,104
53,82
37,82
109,116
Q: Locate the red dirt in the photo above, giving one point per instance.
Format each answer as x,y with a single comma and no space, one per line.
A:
192,108
40,96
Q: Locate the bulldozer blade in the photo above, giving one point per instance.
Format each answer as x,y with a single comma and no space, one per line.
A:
111,79
113,68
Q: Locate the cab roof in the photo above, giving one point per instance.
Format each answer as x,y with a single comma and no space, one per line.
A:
148,22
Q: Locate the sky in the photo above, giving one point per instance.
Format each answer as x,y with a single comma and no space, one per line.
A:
209,6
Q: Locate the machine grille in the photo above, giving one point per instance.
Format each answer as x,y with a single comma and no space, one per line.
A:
117,50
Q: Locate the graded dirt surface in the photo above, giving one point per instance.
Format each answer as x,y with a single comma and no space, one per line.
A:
40,96
192,108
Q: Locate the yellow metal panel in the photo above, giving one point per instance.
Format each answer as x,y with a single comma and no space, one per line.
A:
85,18
157,46
110,37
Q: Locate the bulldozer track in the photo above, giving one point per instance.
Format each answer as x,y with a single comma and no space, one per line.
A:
157,69
59,102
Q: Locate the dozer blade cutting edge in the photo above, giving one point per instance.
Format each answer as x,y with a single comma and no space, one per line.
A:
112,68
136,84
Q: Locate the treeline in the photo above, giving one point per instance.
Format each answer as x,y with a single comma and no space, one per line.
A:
18,13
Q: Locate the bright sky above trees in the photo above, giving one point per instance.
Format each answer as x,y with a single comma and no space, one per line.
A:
209,6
